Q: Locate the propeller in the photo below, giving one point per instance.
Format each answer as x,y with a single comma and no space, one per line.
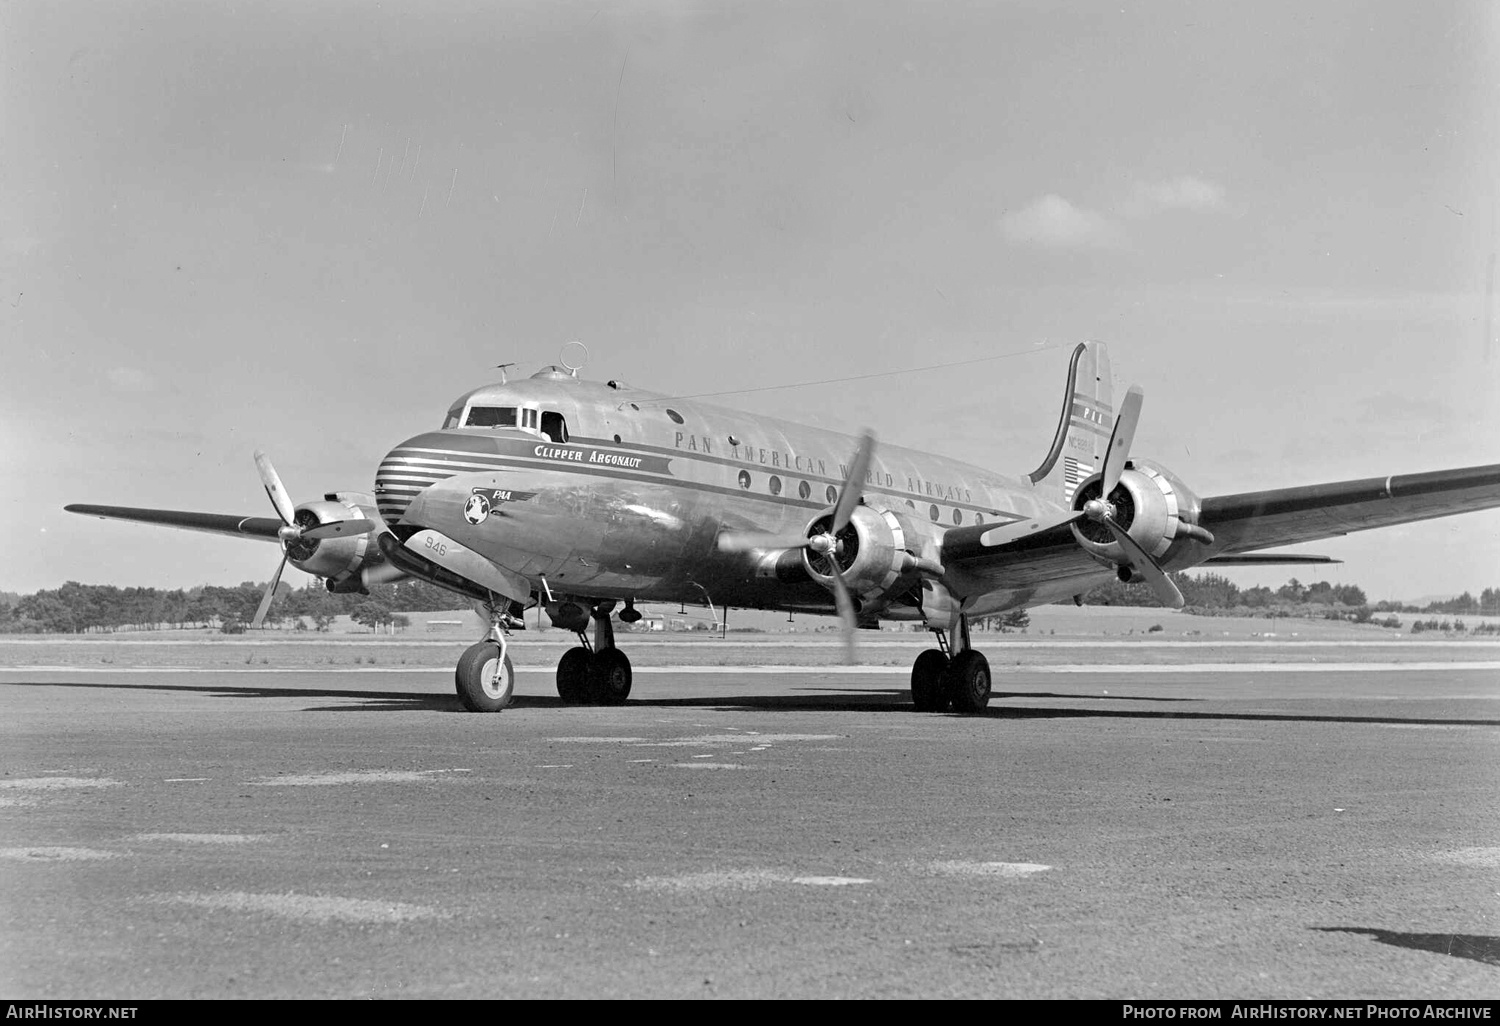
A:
1102,511
824,543
290,531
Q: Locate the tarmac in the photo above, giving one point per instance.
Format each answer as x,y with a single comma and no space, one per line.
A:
1205,831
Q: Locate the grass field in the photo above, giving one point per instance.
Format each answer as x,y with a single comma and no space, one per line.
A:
1057,636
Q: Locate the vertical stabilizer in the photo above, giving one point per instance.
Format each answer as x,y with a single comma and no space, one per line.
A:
1088,417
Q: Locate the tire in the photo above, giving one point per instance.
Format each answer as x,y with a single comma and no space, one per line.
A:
968,681
573,676
928,691
609,677
484,681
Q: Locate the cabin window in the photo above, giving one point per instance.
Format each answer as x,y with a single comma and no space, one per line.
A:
775,485
803,489
491,416
978,518
554,426
676,417
744,479
933,513
958,516
833,494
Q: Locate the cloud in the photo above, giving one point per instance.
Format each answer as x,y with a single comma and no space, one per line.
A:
1181,193
1054,223
129,379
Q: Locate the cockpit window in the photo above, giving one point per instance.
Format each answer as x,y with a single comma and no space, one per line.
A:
554,426
454,418
491,416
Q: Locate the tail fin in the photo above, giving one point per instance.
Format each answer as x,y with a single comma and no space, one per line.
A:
1088,417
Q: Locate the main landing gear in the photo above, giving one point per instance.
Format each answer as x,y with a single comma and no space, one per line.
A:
951,675
597,674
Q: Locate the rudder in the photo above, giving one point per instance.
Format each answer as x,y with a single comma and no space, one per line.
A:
1083,429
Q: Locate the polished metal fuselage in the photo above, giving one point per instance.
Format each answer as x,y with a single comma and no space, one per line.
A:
631,505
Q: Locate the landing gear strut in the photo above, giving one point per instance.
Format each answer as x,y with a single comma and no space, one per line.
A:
485,679
597,674
952,674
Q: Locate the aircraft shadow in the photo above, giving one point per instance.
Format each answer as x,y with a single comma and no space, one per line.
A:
892,700
1458,945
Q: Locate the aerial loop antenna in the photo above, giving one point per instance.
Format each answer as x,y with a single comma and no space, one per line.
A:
583,358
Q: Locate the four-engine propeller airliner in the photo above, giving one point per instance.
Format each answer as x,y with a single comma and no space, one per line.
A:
579,496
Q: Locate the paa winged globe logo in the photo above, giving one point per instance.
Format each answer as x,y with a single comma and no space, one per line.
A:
477,508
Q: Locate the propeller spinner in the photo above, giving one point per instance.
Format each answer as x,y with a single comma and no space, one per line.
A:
291,531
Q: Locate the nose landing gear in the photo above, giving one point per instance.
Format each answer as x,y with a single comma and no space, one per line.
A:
485,678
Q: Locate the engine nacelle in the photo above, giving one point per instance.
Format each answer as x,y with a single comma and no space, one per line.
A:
1151,503
339,560
871,552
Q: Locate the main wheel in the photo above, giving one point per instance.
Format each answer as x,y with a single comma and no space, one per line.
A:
573,675
609,677
485,682
968,682
928,693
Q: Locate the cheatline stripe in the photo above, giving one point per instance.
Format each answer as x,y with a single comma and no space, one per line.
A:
498,462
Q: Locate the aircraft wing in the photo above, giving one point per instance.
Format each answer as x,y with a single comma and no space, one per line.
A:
1241,523
212,523
1286,516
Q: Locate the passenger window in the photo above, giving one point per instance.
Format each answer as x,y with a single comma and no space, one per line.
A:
554,426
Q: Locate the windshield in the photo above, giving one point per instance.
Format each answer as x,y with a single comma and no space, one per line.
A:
491,416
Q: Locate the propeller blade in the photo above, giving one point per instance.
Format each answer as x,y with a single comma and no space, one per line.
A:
744,541
1161,585
265,600
339,528
849,494
844,602
274,490
1126,418
1024,528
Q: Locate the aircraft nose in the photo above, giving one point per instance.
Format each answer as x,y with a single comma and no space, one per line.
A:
403,475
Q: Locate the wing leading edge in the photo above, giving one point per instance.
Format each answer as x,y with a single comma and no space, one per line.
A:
211,523
1286,516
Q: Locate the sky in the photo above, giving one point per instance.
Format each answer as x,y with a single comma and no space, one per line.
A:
307,227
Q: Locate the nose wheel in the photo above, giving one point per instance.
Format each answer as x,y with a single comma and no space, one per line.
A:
485,679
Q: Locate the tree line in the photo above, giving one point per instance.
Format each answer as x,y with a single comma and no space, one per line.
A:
1214,594
79,608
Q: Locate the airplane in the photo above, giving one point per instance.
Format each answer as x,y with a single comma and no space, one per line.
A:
579,496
